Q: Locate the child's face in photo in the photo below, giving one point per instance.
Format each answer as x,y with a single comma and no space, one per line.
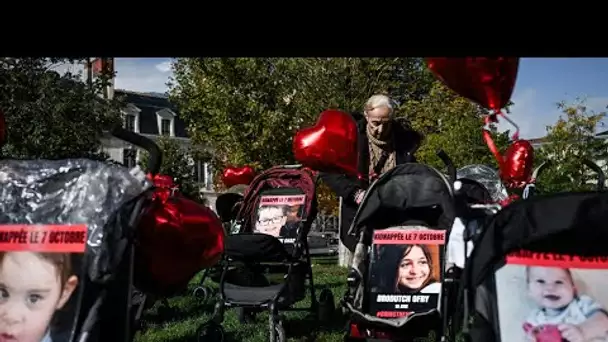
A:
31,291
414,269
550,287
270,220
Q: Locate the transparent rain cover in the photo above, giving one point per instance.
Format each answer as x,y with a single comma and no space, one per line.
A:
487,177
52,214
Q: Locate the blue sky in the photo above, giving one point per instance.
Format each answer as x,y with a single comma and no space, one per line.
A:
541,83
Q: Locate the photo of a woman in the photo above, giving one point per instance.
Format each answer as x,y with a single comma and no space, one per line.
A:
407,269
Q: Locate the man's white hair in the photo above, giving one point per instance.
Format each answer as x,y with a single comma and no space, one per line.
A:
377,101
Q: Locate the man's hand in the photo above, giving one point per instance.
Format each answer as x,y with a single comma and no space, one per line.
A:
571,333
359,196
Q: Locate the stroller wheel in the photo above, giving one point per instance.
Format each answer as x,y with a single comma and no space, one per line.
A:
327,306
201,292
211,332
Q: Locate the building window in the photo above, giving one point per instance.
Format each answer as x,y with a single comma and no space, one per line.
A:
129,157
200,172
130,122
165,127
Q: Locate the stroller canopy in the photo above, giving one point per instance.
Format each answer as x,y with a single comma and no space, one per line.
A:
568,223
392,199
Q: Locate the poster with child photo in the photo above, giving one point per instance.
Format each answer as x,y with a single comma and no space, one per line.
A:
405,271
38,281
280,216
552,298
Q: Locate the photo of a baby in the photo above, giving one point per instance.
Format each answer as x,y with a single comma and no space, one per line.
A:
33,288
556,304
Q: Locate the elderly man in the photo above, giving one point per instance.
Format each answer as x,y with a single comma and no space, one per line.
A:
383,144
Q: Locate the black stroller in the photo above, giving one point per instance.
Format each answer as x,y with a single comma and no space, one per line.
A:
227,206
395,285
79,216
269,243
539,270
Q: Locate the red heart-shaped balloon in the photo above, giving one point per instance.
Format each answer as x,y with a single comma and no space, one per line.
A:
517,165
238,175
487,81
330,145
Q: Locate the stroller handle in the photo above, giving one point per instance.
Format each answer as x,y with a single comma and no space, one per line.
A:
140,141
449,163
601,177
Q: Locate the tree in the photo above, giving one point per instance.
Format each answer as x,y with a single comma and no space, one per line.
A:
248,109
52,116
454,124
570,141
177,163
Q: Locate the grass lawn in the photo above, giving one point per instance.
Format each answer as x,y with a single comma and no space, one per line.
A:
188,313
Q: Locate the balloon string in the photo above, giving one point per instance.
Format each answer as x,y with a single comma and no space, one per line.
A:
493,118
492,146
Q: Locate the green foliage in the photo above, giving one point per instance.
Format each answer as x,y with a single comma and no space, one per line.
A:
570,141
177,163
52,116
451,123
246,110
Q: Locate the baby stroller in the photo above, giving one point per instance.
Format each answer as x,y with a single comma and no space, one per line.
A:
269,242
227,206
75,218
539,270
395,283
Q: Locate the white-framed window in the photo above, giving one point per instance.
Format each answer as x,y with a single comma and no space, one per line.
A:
165,127
130,122
129,157
165,120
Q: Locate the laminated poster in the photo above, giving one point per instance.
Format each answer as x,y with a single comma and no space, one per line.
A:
405,271
39,277
552,298
280,216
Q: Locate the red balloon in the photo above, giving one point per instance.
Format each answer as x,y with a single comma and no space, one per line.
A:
330,145
176,239
518,162
487,81
163,181
238,175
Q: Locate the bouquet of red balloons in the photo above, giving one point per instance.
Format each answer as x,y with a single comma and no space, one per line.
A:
490,82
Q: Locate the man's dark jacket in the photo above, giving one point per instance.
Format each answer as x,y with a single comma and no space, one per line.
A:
406,141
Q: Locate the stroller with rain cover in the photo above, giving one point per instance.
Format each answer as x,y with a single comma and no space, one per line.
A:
396,279
275,217
74,220
538,271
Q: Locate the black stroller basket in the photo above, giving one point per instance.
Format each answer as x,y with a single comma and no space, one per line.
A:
99,199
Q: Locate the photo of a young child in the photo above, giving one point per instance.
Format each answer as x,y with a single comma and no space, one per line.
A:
33,288
407,269
555,305
279,220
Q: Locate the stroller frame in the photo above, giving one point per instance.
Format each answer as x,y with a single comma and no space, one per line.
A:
298,263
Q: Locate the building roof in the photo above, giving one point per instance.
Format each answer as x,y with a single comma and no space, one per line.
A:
149,104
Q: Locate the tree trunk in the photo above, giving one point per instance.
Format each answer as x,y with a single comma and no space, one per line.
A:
345,257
